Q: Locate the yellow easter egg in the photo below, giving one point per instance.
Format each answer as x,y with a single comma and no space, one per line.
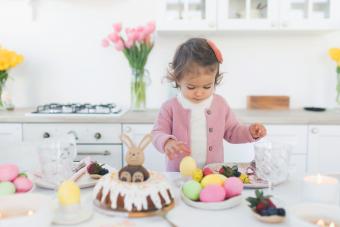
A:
217,179
197,175
68,193
187,166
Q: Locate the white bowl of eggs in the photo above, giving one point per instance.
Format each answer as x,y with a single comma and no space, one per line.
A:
28,209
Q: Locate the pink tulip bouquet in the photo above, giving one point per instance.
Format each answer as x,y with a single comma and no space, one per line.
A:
136,44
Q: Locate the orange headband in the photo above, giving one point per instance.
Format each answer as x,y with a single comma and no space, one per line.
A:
217,52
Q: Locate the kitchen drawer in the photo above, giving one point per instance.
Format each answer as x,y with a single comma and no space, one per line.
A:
84,133
109,154
10,133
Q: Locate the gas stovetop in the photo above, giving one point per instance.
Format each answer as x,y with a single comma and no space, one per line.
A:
78,109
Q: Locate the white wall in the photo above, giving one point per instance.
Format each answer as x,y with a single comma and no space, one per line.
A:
64,61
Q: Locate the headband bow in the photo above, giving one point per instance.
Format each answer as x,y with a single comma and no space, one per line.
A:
217,52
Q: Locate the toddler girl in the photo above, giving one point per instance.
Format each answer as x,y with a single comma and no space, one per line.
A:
197,118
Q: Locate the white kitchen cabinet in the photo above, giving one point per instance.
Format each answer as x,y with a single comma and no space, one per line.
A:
268,15
108,154
10,133
99,141
184,15
247,14
324,149
154,160
309,14
83,133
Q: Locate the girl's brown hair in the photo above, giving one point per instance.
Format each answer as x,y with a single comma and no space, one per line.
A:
193,51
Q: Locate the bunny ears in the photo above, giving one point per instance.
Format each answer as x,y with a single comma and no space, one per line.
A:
217,52
142,144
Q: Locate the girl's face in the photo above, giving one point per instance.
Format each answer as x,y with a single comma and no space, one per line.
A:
199,84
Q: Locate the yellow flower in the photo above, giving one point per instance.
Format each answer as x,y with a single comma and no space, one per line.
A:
334,53
9,59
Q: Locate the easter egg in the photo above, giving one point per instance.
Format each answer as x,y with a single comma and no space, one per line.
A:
216,179
187,166
197,175
6,188
68,193
233,186
212,193
8,172
22,184
192,189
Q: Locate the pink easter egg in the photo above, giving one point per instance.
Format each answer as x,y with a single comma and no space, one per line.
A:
212,193
22,184
8,172
233,186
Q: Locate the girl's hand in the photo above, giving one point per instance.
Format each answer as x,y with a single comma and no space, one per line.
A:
257,130
172,148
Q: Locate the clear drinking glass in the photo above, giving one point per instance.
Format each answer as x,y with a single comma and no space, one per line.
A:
272,162
56,159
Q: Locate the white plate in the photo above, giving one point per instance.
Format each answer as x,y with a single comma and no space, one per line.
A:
73,215
254,184
226,204
126,214
21,203
84,181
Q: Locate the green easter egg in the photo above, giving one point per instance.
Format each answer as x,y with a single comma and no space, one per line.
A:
192,189
6,188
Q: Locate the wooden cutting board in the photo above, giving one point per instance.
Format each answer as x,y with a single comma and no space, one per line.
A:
268,102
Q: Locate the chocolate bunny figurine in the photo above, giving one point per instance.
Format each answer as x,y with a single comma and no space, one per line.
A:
134,170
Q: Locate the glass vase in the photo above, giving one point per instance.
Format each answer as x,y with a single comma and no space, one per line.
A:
338,90
3,79
139,82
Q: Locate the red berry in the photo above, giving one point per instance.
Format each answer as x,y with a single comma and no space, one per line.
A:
270,203
207,171
260,206
222,171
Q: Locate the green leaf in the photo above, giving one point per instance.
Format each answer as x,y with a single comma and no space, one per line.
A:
338,69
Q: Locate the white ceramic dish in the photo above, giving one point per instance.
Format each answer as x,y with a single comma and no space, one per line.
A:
85,181
254,183
305,214
226,204
73,215
273,219
18,206
110,212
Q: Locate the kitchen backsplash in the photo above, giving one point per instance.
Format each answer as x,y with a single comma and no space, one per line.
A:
64,60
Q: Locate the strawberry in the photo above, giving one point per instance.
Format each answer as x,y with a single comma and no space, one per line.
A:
94,168
269,203
207,171
222,170
260,206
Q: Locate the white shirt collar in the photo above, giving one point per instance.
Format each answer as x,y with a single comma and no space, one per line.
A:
187,104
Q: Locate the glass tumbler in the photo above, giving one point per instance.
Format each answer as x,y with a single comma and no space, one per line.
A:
56,159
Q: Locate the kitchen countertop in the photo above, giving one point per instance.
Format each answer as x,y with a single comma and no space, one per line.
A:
289,194
293,116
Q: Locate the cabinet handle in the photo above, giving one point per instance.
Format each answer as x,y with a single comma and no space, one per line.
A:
104,153
127,129
315,130
46,135
97,135
73,133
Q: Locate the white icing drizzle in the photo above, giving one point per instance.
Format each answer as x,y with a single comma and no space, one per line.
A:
135,193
